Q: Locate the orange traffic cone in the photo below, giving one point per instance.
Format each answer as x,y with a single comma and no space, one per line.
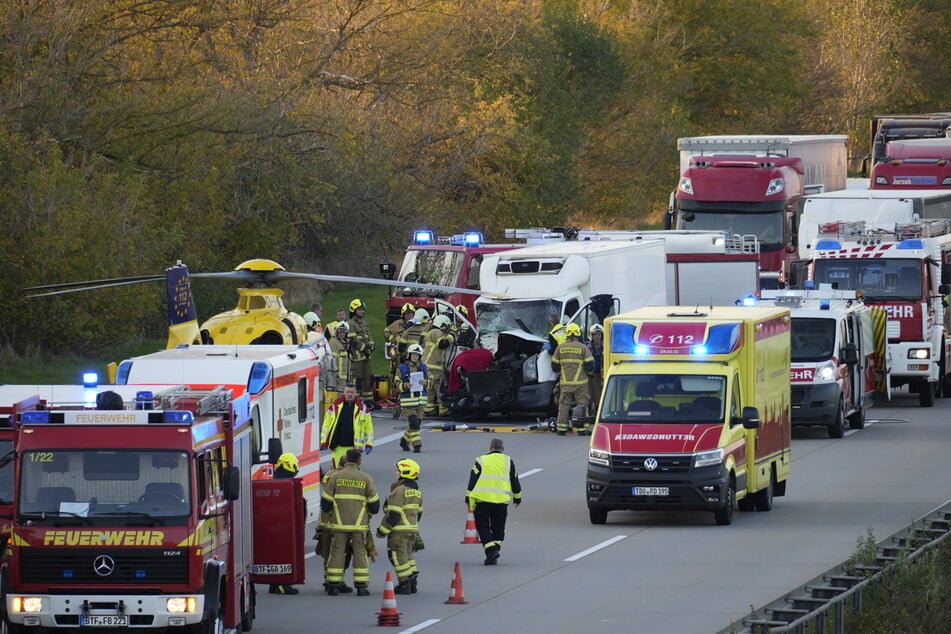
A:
388,614
470,535
457,595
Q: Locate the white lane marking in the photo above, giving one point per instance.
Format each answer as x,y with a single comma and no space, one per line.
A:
596,548
379,441
421,626
529,472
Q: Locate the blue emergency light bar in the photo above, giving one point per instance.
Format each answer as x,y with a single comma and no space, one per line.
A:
90,379
825,305
912,243
179,417
467,239
828,245
423,236
35,418
721,339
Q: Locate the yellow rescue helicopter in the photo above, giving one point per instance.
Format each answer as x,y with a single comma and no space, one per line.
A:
259,317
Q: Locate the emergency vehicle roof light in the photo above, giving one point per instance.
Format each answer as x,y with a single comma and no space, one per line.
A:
825,305
701,349
179,417
722,339
622,339
911,244
810,285
260,377
423,236
828,245
90,379
35,418
750,300
472,239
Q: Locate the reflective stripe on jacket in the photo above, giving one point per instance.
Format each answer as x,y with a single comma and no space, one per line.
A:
362,423
573,361
353,496
495,480
403,508
407,398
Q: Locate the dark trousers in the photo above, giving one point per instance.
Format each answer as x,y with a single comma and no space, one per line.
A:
490,522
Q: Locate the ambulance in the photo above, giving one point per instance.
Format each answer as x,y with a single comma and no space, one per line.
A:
837,358
695,412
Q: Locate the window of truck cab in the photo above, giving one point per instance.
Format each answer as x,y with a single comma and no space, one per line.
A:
432,266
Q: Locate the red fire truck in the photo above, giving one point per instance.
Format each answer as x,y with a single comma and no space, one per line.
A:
139,518
8,415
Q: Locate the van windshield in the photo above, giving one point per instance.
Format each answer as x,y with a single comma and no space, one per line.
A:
812,339
664,398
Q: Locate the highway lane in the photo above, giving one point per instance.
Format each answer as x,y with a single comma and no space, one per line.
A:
647,572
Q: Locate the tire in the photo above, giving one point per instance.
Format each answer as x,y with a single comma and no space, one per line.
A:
597,515
857,418
724,515
837,428
763,499
927,394
747,504
247,612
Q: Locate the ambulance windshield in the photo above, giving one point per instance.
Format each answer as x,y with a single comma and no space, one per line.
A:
877,278
664,398
812,339
89,484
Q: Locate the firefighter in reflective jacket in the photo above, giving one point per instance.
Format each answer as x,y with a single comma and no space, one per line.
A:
493,483
574,363
411,380
436,346
556,336
401,514
347,425
361,350
393,335
340,352
351,497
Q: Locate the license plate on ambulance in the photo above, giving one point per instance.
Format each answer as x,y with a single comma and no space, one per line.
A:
650,491
103,621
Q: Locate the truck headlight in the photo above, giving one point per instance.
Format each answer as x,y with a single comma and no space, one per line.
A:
181,605
775,186
686,185
530,370
708,458
919,353
825,372
27,605
599,457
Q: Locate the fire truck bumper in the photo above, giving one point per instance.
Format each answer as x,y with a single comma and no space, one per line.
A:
108,610
907,368
697,489
815,403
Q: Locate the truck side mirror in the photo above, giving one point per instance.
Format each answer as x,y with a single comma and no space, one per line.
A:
850,354
231,483
750,418
274,449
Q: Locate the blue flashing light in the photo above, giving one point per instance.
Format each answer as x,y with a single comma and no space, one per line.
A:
722,339
825,305
641,349
423,236
828,245
750,300
472,239
35,418
143,400
622,339
90,379
67,573
140,574
810,285
913,243
179,417
699,350
260,377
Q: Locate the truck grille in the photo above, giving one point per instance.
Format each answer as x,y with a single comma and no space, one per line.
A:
797,394
140,566
628,463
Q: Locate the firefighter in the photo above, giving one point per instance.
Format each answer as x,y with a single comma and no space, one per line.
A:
401,514
465,335
596,344
574,363
414,332
556,336
412,378
347,425
493,483
350,497
340,351
436,346
314,330
285,467
395,342
361,351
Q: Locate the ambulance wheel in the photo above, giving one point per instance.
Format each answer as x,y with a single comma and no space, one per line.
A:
927,393
837,428
724,515
857,418
763,499
597,515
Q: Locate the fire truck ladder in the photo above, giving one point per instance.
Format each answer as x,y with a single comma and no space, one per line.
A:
200,402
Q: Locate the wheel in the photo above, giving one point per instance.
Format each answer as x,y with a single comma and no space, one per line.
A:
597,515
927,393
724,514
857,418
837,428
247,612
763,499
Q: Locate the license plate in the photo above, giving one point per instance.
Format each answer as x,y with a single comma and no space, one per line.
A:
104,621
650,491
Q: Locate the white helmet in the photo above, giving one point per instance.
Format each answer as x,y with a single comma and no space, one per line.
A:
595,328
342,326
441,321
421,315
312,319
415,349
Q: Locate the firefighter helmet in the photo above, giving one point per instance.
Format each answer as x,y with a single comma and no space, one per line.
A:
342,326
441,321
312,319
462,310
355,304
408,468
415,349
572,330
595,328
288,462
407,308
421,315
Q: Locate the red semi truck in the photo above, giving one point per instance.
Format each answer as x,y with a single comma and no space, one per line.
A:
914,164
751,185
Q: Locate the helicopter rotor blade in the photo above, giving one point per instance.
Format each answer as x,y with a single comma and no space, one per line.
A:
138,279
348,279
127,282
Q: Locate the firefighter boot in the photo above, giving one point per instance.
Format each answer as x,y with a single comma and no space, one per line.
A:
404,444
332,589
417,448
283,589
344,588
414,583
403,587
362,590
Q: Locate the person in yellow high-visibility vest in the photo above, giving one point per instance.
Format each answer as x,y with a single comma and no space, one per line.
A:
493,483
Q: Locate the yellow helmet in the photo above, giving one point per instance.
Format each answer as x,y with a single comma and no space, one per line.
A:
408,468
407,307
462,310
355,304
573,330
288,462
